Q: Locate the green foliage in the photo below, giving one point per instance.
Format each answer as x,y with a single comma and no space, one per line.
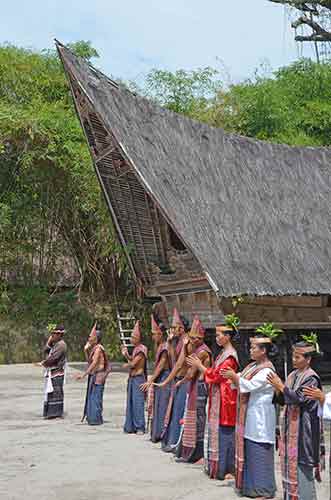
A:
269,330
291,106
188,92
236,301
52,213
55,230
83,49
311,338
232,321
51,327
31,312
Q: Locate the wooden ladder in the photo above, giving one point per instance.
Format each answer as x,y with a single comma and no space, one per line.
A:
126,322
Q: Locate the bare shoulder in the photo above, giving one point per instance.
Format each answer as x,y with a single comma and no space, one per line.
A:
203,355
62,345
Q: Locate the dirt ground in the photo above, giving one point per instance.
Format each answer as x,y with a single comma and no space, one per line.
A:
67,460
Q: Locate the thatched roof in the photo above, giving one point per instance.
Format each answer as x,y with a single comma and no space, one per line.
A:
257,216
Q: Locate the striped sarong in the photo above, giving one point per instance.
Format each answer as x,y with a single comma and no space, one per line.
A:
196,391
54,404
190,447
289,442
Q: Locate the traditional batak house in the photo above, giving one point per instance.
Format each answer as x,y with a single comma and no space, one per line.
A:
205,216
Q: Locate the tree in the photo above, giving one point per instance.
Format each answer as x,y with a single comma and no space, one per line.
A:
188,92
315,14
290,106
52,215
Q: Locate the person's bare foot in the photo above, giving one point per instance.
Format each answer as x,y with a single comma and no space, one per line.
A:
229,476
199,462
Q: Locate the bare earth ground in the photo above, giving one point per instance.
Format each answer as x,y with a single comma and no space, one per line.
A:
67,460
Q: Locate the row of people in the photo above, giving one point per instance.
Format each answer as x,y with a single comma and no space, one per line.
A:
241,409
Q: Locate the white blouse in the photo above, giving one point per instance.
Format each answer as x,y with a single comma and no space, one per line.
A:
260,425
325,411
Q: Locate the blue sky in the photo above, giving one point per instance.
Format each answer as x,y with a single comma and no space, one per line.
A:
134,36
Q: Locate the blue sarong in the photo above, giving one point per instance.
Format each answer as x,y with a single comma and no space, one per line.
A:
259,470
135,406
161,400
94,402
226,452
172,435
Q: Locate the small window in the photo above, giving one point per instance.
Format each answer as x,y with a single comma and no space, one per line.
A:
175,241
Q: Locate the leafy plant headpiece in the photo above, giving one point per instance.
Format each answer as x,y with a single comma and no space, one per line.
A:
312,339
232,321
269,330
51,327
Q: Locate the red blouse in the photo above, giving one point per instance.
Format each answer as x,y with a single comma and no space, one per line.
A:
228,394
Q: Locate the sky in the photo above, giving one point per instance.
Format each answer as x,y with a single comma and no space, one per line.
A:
134,36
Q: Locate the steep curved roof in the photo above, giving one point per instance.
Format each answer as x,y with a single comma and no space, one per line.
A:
256,215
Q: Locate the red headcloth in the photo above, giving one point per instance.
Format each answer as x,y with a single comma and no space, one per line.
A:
136,331
154,326
197,329
176,321
94,329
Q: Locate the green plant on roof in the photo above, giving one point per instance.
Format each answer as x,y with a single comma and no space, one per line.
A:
51,327
232,320
236,301
269,330
312,339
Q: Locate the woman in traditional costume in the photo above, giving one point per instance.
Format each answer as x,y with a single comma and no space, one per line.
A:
300,444
220,463
256,422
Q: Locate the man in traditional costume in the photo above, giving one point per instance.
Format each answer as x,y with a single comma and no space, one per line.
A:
256,422
191,444
300,430
176,336
324,413
135,403
158,398
176,406
54,365
97,371
220,463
